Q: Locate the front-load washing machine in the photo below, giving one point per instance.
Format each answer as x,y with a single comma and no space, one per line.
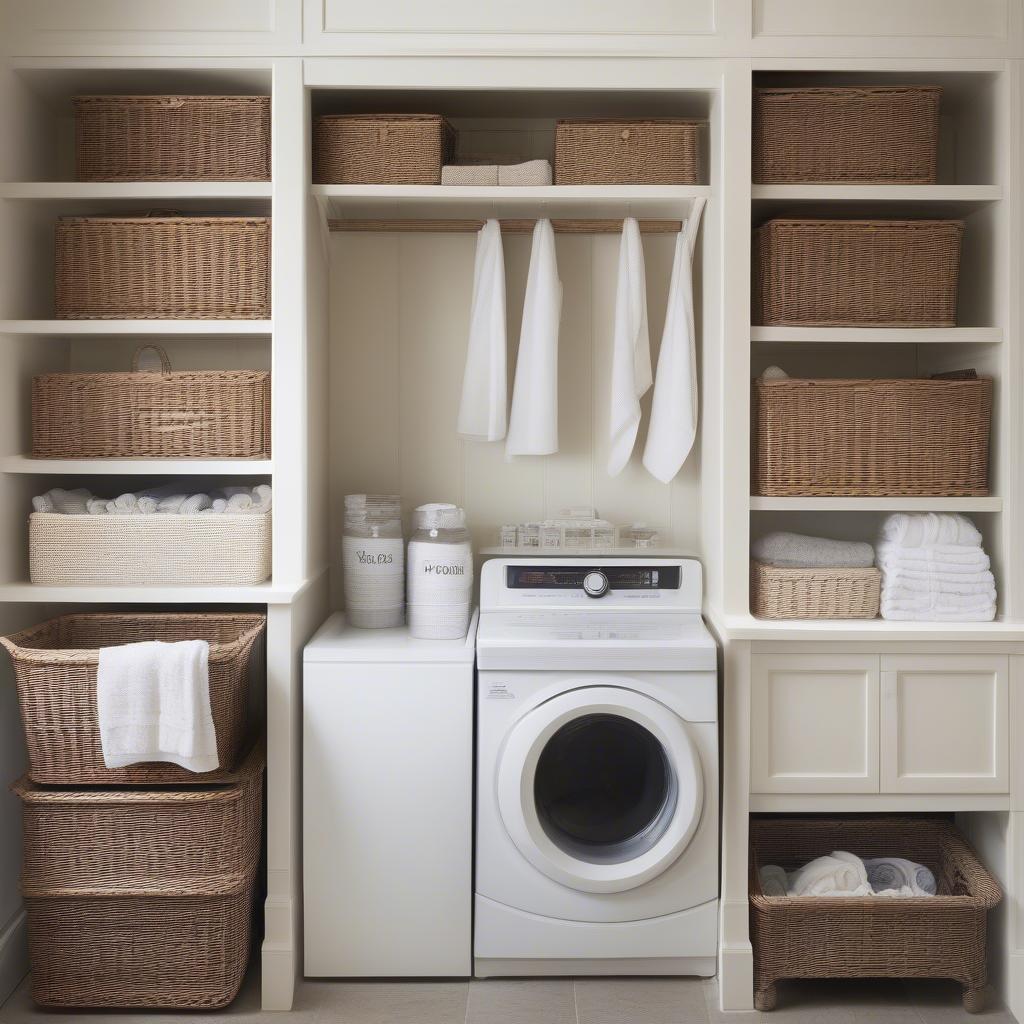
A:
597,769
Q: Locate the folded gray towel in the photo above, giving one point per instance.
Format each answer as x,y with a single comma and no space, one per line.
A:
795,551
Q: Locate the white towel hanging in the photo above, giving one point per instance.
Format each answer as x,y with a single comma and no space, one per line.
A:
483,409
673,424
533,423
631,348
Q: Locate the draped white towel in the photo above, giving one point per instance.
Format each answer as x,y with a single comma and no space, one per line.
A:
483,409
631,348
673,425
533,423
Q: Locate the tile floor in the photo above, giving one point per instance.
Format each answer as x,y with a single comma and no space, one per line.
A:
558,1001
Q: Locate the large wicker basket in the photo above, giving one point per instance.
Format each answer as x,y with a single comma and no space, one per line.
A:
381,149
154,268
55,666
941,936
172,138
212,414
141,898
781,592
856,273
871,438
628,152
867,134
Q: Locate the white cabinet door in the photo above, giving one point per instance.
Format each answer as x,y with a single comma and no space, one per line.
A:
944,723
814,723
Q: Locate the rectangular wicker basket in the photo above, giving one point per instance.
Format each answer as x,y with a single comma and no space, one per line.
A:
871,437
856,273
172,138
55,665
941,936
149,550
156,268
141,898
778,592
863,133
195,414
628,152
381,149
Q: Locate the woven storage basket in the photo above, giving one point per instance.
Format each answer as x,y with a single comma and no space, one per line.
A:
628,152
856,273
381,149
213,414
141,898
871,437
867,134
778,592
940,936
55,666
149,550
172,138
153,268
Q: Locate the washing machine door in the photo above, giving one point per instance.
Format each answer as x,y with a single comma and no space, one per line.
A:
600,788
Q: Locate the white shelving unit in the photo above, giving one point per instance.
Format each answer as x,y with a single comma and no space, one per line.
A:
206,329
877,335
882,504
136,467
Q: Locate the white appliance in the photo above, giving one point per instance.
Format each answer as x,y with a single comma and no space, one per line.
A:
387,803
597,769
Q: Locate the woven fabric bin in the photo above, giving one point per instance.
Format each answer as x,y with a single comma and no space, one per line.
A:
628,152
213,414
141,898
778,592
940,936
871,438
866,134
149,550
856,273
381,149
157,268
55,666
172,138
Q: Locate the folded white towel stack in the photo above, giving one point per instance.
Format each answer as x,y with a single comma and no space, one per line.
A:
934,569
168,499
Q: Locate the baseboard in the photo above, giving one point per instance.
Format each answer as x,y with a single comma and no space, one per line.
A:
1015,984
13,954
736,977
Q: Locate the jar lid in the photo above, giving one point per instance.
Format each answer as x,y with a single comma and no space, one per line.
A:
439,516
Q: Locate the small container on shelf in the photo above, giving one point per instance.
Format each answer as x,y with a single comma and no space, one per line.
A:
373,561
508,536
640,536
440,573
778,592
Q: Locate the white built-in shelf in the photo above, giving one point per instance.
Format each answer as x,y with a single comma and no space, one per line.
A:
878,335
262,593
589,552
878,193
140,467
883,504
134,190
161,328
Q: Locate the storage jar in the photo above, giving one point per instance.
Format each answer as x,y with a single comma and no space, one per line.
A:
440,573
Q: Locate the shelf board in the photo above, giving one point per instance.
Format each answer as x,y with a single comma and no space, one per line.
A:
262,593
162,328
877,335
139,467
589,552
878,193
134,190
883,504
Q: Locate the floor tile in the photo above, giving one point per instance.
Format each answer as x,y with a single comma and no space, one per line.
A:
940,1002
522,1001
397,1002
640,1001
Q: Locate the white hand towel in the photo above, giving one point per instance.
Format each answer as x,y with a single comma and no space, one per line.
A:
482,412
673,425
631,348
154,705
916,530
533,423
840,874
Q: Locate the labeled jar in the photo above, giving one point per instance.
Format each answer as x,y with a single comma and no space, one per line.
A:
373,561
440,583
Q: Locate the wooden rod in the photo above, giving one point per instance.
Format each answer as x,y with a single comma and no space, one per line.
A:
511,227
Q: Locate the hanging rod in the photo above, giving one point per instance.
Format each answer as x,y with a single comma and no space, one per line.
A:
511,227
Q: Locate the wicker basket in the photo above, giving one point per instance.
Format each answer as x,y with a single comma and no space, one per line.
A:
778,592
141,898
55,666
871,438
866,134
149,550
172,138
940,936
628,152
381,149
856,273
214,414
153,268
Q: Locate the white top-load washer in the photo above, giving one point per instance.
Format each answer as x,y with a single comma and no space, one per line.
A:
597,769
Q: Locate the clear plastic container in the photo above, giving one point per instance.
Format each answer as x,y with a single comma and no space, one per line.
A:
440,583
373,561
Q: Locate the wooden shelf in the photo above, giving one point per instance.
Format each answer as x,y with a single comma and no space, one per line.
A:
589,553
878,193
139,467
161,328
263,593
883,504
877,335
129,190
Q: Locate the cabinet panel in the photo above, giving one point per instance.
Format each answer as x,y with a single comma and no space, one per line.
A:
814,724
141,16
944,724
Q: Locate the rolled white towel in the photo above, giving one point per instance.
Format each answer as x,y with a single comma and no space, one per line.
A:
146,504
840,874
194,503
96,507
916,529
220,505
897,873
774,881
796,550
263,496
71,503
239,503
171,505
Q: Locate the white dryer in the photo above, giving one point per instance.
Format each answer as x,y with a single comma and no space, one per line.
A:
597,769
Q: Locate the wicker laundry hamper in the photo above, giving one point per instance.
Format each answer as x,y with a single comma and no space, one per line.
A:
55,666
172,138
781,592
628,152
941,936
